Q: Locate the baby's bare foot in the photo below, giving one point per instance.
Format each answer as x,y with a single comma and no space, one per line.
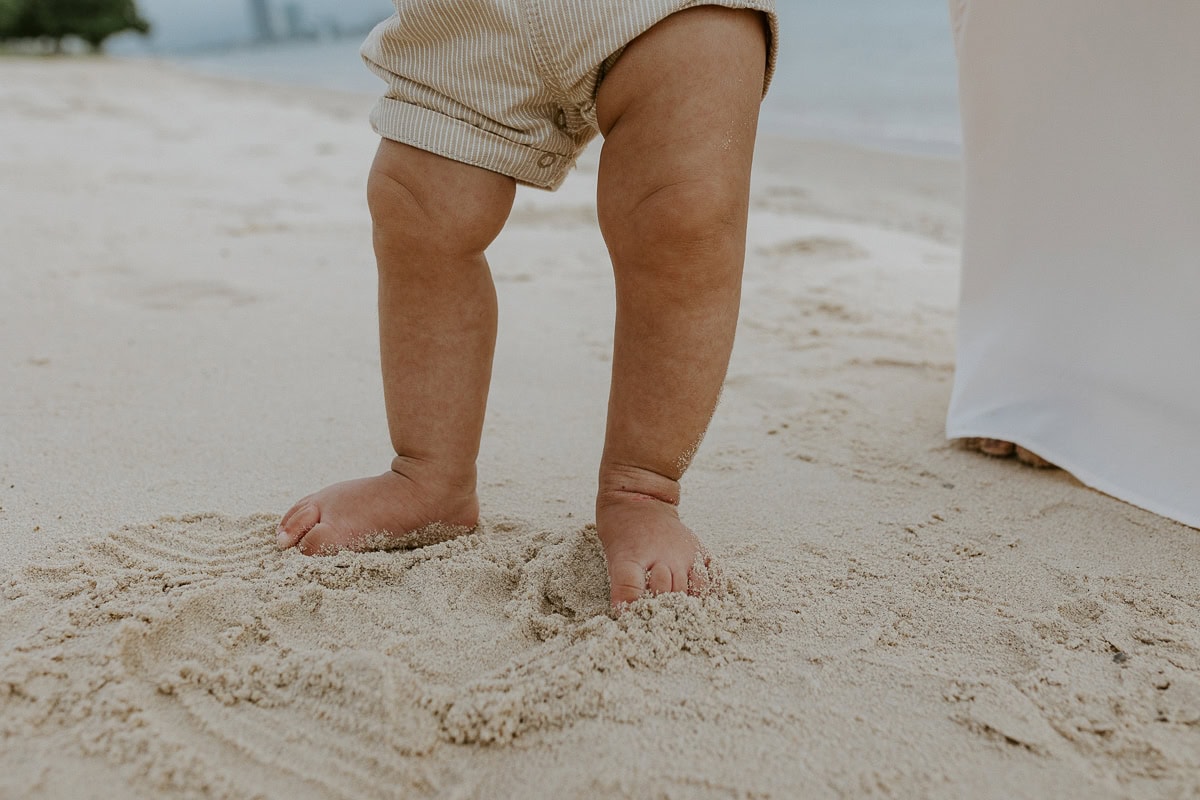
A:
1002,449
387,511
648,549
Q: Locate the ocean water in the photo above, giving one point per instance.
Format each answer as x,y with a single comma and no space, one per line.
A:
878,73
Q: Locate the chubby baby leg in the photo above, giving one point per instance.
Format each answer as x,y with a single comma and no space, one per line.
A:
433,218
679,113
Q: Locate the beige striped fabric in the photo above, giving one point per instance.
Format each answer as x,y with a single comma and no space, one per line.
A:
509,85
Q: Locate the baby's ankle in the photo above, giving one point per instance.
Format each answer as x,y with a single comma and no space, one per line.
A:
448,479
620,482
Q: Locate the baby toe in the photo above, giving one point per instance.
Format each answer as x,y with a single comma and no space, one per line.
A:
322,540
659,579
296,523
291,512
627,582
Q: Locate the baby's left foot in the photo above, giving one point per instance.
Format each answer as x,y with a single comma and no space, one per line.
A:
648,549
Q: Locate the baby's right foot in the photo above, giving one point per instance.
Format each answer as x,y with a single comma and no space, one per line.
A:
387,511
648,548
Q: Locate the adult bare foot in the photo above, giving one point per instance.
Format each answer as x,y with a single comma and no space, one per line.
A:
648,548
387,511
999,448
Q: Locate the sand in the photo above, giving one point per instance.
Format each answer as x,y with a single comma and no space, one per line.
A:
187,346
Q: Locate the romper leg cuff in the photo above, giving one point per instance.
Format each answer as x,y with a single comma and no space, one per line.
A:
452,138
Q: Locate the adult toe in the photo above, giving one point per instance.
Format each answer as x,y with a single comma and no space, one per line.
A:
997,447
1032,459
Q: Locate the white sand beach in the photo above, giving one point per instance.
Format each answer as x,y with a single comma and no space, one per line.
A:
187,345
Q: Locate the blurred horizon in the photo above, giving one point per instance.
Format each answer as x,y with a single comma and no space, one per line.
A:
880,73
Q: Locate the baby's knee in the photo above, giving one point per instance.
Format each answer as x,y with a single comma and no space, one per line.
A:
690,215
423,203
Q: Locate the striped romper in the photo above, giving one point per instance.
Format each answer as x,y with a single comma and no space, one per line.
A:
509,85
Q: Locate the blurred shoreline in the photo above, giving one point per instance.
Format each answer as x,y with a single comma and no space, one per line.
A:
334,64
878,75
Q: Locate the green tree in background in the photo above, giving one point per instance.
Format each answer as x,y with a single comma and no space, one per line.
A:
93,21
10,12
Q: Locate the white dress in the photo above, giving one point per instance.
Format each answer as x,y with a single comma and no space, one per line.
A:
1079,329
